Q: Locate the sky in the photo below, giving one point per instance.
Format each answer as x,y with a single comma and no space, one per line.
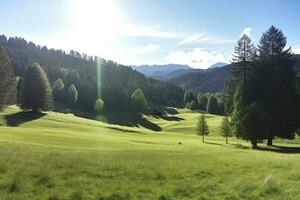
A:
198,33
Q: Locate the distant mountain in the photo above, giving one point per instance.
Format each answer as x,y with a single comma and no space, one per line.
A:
205,80
218,65
210,80
160,72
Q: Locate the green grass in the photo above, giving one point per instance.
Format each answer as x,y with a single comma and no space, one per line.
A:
61,156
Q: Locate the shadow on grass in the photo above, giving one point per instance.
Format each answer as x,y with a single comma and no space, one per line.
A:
122,119
280,149
19,118
213,143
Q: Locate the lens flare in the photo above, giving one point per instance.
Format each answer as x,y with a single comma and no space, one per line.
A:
98,77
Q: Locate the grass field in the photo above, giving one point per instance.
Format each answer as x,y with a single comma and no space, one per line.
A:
62,156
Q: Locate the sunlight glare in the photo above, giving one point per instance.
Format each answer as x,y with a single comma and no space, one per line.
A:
97,21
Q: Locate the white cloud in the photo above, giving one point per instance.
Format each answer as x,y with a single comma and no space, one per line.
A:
149,48
197,58
296,49
247,31
205,38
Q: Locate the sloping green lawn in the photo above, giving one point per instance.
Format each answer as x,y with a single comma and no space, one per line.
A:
61,156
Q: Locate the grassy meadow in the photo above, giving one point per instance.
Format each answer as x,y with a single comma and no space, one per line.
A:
57,156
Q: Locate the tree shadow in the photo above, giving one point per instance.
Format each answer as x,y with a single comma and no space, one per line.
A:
280,149
123,119
212,143
16,119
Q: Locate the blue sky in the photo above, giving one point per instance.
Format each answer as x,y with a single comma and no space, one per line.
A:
132,32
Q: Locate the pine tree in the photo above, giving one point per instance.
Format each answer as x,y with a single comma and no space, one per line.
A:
36,90
58,90
277,84
248,116
7,81
212,105
225,129
243,58
193,105
139,100
202,128
72,95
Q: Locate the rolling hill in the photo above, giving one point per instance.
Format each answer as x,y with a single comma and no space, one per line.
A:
62,156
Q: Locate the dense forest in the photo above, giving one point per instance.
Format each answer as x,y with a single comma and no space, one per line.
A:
211,80
92,77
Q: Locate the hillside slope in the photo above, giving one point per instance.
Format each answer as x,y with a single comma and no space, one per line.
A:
61,156
212,80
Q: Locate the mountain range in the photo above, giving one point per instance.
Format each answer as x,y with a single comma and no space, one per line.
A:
211,79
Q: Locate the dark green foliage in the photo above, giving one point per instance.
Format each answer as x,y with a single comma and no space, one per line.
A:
36,90
7,81
225,129
211,80
189,97
193,105
202,128
72,95
99,105
58,91
115,84
202,101
240,69
139,101
277,81
212,105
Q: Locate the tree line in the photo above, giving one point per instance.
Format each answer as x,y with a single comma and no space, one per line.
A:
83,79
209,102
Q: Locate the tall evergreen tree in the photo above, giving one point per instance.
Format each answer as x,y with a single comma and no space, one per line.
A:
248,116
7,81
240,68
277,84
36,90
202,128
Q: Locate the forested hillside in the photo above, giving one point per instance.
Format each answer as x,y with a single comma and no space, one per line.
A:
211,80
93,77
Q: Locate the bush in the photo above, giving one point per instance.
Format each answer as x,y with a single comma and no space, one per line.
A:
99,105
72,95
58,90
193,105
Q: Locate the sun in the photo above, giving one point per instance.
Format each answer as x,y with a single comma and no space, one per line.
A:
94,22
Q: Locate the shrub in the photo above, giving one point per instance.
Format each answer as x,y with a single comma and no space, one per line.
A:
99,105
